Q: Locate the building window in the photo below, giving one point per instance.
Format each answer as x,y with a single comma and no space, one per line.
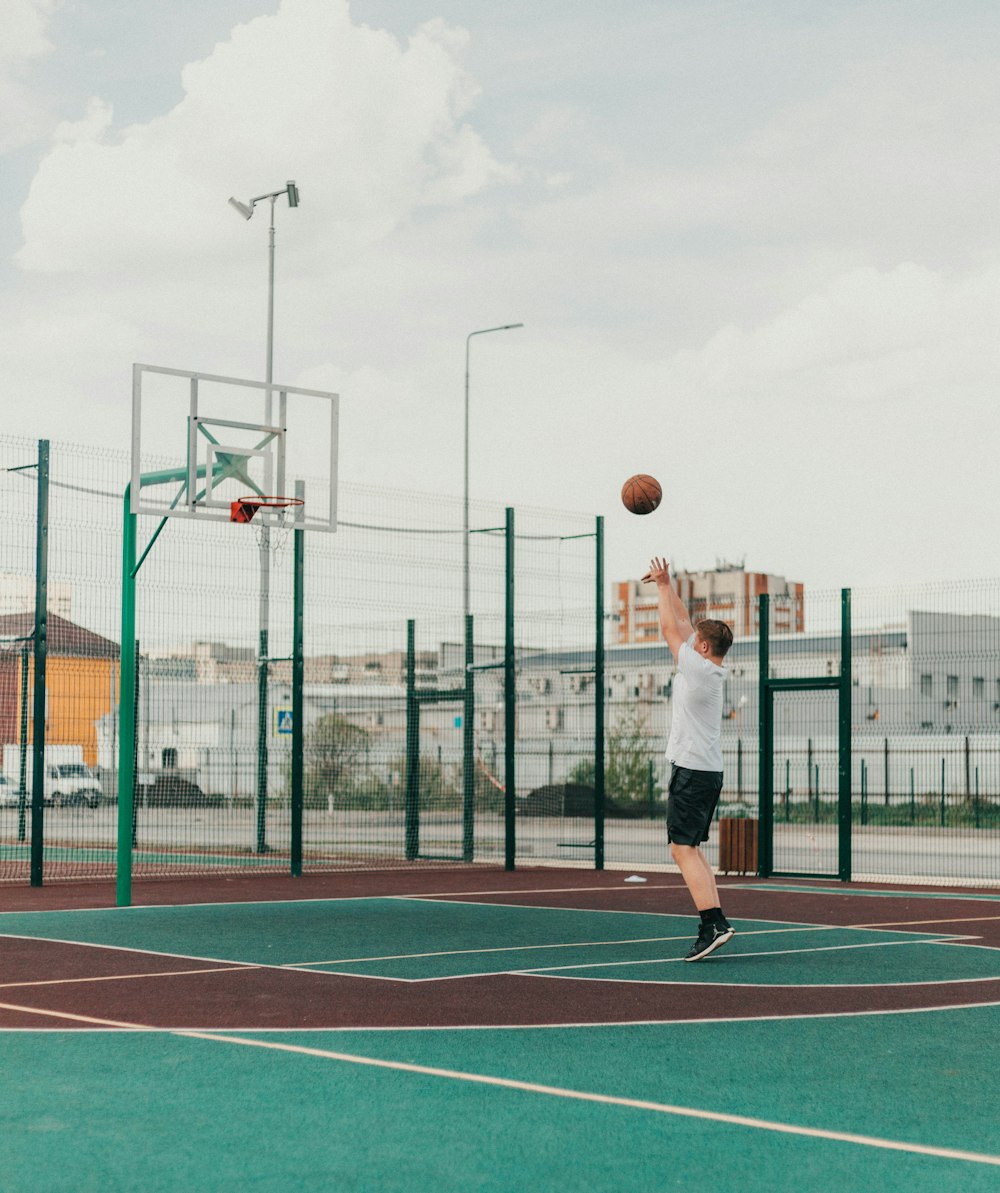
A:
927,685
952,687
978,687
168,758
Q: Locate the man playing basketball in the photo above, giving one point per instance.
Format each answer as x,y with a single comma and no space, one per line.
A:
695,751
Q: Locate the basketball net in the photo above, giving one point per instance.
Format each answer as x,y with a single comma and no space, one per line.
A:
273,519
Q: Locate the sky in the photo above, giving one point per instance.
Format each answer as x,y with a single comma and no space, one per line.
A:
753,246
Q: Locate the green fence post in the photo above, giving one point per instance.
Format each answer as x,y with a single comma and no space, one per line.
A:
885,777
412,813
22,785
788,788
765,781
864,793
976,805
942,794
739,769
262,676
844,758
298,688
469,746
136,794
126,708
509,700
651,788
913,799
41,654
599,694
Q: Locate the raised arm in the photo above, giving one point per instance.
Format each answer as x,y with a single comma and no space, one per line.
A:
675,623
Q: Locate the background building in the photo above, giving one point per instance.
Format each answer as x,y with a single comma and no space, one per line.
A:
727,593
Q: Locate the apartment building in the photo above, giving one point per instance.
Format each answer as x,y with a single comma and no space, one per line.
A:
727,593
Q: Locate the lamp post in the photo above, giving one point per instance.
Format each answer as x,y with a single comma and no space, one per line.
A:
466,601
246,211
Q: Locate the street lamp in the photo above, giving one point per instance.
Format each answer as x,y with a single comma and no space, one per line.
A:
246,211
466,602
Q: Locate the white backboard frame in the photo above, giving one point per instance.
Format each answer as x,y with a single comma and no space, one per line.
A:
223,453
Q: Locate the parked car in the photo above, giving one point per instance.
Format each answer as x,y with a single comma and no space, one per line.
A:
71,785
173,791
8,794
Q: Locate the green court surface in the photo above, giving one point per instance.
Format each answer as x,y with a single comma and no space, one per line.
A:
86,1111
874,1100
421,940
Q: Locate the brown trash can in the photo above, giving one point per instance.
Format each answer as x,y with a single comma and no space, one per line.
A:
737,845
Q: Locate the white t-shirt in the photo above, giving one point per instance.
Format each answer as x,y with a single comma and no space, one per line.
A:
696,726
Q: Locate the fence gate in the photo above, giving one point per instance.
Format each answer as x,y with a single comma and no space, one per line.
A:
440,816
804,828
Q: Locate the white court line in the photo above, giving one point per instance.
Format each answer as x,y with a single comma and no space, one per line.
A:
665,1108
125,977
584,944
965,919
542,890
463,1027
675,915
825,948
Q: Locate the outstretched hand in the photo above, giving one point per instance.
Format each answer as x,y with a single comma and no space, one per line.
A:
659,572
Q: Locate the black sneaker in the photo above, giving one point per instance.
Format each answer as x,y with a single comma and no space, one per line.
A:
710,938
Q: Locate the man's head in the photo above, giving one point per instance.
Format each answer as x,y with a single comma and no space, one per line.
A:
712,638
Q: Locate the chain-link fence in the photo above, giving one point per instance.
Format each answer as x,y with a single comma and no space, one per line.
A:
425,746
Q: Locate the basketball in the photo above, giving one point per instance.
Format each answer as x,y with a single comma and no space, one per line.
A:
641,494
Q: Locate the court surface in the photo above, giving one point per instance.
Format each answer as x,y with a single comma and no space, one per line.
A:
472,1029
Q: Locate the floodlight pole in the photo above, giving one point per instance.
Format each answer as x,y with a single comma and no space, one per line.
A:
265,572
246,210
466,598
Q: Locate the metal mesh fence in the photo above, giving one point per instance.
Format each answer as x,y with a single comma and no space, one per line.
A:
403,763
212,764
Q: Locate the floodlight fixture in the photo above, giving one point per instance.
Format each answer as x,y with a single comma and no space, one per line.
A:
246,209
242,208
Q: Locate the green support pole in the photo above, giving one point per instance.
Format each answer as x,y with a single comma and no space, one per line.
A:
765,781
599,695
298,703
469,747
412,813
126,708
41,654
844,810
509,701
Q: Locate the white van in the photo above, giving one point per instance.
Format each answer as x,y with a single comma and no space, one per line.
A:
71,785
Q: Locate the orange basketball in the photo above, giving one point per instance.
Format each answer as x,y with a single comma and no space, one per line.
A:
641,494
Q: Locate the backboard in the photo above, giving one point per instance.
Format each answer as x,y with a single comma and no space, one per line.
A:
201,442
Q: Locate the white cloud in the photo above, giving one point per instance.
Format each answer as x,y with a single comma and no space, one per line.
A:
370,129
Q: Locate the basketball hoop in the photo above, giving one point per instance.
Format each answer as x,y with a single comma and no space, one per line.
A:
274,533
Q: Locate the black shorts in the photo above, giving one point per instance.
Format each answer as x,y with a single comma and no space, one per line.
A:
691,804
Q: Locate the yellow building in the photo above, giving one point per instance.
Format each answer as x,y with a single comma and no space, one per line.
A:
81,681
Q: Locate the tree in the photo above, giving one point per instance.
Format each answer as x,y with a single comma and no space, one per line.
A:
626,762
333,749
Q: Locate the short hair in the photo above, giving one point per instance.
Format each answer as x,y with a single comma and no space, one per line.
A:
717,634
